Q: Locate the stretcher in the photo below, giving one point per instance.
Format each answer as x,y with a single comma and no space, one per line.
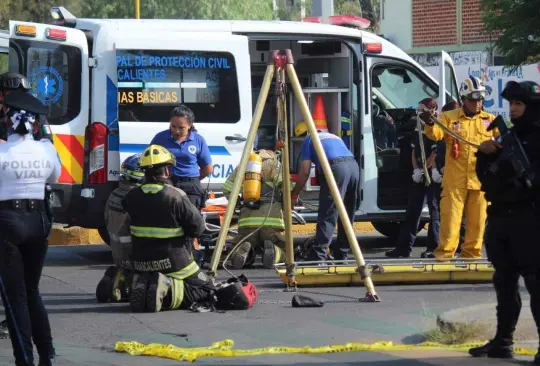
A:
390,271
214,212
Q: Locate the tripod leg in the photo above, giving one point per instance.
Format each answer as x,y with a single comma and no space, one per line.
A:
287,205
267,81
9,311
371,295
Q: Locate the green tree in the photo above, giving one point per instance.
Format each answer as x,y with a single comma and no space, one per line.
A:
516,24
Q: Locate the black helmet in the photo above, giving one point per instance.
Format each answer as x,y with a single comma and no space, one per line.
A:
24,100
13,80
525,91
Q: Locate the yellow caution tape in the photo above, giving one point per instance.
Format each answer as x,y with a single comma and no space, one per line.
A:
226,349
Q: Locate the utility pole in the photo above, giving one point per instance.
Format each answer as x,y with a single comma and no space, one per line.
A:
322,8
137,9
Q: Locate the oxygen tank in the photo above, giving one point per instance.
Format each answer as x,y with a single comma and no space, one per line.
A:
252,179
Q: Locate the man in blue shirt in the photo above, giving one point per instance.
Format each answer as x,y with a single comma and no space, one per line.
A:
347,176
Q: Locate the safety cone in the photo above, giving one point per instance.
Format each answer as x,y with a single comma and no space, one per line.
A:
319,117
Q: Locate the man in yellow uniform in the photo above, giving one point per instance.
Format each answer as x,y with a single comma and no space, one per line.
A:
271,236
460,185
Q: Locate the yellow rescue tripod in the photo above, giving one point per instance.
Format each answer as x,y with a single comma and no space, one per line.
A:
283,61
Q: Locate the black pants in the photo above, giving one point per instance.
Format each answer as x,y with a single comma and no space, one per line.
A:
347,175
193,189
23,246
512,247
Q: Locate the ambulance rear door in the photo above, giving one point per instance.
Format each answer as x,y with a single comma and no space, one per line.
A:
55,61
448,85
207,71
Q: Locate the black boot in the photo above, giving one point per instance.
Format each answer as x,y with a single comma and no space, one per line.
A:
48,362
496,348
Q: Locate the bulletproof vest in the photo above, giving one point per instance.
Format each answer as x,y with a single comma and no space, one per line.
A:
499,179
159,244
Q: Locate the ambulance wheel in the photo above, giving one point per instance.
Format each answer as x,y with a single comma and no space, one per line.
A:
391,228
104,235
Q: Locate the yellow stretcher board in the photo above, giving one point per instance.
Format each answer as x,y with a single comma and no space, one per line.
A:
391,272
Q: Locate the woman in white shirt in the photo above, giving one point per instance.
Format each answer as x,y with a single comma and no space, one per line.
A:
26,166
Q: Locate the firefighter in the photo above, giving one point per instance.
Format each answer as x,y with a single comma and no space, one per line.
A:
346,172
514,218
460,186
264,215
162,219
116,282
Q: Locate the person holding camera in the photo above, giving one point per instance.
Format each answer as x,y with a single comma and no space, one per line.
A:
514,213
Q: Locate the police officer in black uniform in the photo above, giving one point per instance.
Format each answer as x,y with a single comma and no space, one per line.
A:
514,218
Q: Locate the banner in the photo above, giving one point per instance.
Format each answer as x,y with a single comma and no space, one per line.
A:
495,78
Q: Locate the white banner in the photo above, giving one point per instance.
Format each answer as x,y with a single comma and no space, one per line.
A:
495,78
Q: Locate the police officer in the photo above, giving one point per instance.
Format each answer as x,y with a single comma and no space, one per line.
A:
460,186
116,282
347,175
266,217
514,218
419,193
24,226
161,220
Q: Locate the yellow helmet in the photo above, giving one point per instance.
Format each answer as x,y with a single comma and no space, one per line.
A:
156,155
300,129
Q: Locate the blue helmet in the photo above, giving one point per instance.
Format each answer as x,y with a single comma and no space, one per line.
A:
130,169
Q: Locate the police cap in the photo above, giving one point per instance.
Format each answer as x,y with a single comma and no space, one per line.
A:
525,91
23,100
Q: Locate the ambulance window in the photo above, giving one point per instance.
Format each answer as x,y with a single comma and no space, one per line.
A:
3,62
450,83
54,72
152,82
400,88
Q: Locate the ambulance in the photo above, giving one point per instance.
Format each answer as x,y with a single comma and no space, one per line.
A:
110,85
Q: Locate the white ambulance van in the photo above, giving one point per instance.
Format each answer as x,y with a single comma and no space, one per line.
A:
110,85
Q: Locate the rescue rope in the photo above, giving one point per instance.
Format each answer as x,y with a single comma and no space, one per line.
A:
452,133
427,179
225,348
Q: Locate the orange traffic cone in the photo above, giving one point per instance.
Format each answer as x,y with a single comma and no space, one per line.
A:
319,117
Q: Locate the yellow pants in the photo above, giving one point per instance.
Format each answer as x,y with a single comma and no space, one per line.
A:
453,202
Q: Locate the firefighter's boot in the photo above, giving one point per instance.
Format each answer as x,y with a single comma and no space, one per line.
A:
496,348
272,254
104,290
158,287
139,287
240,255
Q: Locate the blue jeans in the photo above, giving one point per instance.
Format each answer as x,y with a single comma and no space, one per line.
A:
418,195
347,175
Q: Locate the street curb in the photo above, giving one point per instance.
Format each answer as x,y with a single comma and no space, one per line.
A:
80,236
74,236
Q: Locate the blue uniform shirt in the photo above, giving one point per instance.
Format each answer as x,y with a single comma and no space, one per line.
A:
429,147
333,146
191,154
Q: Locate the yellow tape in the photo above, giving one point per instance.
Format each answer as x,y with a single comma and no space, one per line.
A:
226,349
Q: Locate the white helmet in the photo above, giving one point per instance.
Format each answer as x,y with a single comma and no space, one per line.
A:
472,88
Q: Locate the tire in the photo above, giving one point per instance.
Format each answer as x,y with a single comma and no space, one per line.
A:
391,228
104,235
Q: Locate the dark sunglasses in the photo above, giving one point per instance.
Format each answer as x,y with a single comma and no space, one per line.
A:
15,83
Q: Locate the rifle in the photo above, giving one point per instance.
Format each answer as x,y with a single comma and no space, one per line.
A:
513,151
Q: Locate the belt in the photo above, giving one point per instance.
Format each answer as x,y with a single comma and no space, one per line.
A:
23,205
184,179
338,160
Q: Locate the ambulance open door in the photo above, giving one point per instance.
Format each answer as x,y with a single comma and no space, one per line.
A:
448,85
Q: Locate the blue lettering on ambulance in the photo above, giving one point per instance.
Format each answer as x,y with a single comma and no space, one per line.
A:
222,170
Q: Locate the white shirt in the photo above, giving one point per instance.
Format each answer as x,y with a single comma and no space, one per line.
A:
25,166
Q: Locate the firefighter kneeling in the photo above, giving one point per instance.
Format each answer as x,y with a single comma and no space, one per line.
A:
162,219
261,211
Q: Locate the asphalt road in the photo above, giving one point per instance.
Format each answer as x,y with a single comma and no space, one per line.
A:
85,332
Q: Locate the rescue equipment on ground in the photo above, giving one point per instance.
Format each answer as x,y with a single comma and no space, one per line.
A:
319,116
282,60
238,293
252,179
391,271
225,348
